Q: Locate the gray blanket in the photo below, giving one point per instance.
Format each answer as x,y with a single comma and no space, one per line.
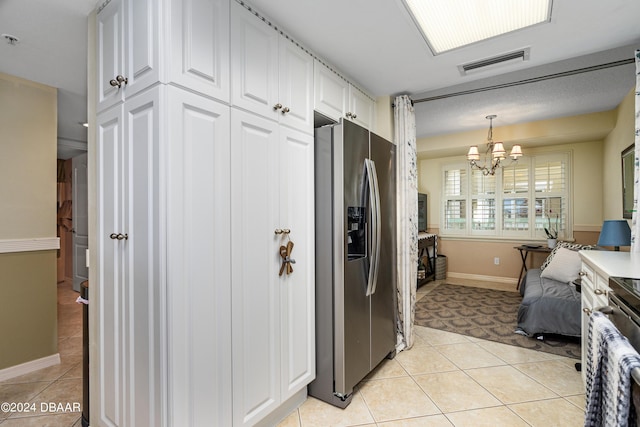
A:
548,307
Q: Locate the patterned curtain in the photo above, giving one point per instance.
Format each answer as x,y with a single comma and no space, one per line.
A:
635,222
407,214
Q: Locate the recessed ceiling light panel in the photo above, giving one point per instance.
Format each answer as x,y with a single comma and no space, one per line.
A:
450,24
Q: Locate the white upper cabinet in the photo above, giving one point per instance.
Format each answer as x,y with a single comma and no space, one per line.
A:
336,98
199,46
331,92
127,49
272,76
361,108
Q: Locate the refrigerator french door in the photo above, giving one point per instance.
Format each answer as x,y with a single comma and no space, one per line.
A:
355,258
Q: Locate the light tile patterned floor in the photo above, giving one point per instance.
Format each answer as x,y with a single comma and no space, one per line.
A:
57,384
449,379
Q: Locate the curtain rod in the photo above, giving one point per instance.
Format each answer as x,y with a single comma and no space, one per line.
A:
531,80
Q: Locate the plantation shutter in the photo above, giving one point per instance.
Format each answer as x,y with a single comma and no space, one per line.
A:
455,199
483,201
515,199
551,196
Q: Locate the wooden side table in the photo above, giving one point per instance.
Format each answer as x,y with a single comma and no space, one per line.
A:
524,252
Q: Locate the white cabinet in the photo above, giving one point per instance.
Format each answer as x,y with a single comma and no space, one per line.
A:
272,76
273,315
128,51
361,108
197,56
336,98
597,268
129,290
198,260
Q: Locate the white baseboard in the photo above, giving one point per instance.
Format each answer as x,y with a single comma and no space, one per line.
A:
28,367
494,279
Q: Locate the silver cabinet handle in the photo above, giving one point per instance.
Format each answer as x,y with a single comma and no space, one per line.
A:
349,115
285,110
119,236
118,81
282,231
586,310
113,236
599,292
277,106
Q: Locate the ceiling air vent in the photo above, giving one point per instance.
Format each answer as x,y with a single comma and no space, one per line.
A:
488,63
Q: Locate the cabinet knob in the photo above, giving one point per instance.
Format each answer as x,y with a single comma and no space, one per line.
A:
582,273
599,292
349,115
277,106
113,236
285,110
353,116
118,81
586,310
282,231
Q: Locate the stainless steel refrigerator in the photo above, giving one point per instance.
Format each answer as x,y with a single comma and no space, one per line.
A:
355,258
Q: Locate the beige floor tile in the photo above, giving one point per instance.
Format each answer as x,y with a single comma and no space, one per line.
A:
499,416
23,392
316,413
292,420
555,375
71,346
512,354
438,337
431,421
510,385
455,391
58,420
469,355
554,412
67,393
396,398
423,360
580,400
387,369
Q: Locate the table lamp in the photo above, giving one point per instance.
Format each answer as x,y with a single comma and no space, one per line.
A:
616,233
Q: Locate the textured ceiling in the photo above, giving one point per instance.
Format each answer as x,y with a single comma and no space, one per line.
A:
375,43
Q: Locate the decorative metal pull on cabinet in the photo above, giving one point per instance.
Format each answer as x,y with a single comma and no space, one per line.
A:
118,81
119,236
285,110
285,253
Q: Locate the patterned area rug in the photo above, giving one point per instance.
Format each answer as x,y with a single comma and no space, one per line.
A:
486,314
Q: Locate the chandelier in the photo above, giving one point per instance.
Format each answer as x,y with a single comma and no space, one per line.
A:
494,155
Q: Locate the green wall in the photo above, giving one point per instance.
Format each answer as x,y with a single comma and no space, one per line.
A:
28,313
28,288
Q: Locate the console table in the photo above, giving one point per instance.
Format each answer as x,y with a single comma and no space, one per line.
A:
428,246
524,252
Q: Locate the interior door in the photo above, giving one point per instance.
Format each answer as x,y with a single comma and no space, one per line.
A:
80,208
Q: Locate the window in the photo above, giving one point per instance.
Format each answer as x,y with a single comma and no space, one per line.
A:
519,201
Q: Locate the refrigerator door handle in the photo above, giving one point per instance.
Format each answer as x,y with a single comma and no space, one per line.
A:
374,197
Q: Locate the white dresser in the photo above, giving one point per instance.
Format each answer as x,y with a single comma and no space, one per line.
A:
597,267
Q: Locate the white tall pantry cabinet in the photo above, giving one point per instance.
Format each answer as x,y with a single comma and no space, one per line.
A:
196,326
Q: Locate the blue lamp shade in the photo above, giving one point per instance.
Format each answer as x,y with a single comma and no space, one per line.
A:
616,233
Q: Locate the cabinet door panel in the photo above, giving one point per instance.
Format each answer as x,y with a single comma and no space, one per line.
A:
199,274
144,282
331,92
254,63
142,46
109,52
200,46
255,261
296,85
297,289
110,290
362,106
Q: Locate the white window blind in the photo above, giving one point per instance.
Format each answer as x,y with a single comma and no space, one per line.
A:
515,199
519,201
455,199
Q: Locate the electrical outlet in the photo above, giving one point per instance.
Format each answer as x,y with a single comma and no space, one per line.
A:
496,261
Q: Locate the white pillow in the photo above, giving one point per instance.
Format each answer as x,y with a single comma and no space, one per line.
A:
564,267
